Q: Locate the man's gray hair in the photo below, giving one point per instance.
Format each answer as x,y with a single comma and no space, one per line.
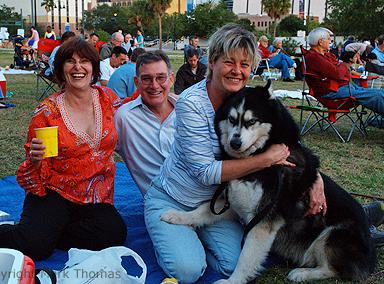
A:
317,34
152,57
276,41
229,38
116,34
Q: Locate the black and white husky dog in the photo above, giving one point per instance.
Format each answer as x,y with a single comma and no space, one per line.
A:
272,202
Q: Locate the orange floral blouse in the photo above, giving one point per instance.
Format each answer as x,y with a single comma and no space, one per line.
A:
84,170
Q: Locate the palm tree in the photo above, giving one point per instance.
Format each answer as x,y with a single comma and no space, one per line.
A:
276,9
139,14
49,6
159,7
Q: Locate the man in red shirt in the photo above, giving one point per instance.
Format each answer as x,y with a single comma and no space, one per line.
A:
336,75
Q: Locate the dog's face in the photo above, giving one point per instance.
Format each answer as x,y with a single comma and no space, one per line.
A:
244,122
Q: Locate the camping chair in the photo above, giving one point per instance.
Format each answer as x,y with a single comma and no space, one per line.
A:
45,84
260,71
326,113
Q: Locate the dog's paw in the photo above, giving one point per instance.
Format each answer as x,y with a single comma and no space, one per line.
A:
174,217
298,274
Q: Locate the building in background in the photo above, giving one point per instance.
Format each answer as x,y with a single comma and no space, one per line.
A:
66,11
252,10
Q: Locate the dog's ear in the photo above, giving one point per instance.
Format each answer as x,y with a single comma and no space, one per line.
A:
269,89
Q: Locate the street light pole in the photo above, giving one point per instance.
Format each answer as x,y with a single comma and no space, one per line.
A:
32,14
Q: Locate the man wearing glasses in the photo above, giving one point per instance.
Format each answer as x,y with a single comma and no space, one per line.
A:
117,39
146,125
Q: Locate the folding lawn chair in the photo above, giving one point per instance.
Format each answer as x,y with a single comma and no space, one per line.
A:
264,71
327,113
45,84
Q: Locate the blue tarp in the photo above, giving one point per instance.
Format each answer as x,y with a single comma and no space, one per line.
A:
129,202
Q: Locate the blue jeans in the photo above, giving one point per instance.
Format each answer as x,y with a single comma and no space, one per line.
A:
282,62
372,99
183,252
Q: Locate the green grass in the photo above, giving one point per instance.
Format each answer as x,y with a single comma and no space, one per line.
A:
358,166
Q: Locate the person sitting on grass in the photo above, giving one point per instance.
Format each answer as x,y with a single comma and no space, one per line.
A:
191,72
122,79
69,198
109,65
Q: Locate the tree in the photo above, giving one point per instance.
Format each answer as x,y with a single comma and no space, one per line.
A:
106,18
275,10
159,7
49,6
361,18
139,14
290,25
206,18
11,17
246,24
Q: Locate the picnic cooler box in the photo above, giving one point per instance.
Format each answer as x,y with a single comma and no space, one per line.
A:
16,268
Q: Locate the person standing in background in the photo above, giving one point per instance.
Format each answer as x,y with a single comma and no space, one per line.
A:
140,39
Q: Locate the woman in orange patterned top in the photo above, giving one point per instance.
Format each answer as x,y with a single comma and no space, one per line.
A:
69,198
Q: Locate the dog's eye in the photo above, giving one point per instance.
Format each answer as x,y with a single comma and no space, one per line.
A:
250,122
232,119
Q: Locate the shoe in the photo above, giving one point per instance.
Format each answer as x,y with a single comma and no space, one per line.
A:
377,236
288,80
375,213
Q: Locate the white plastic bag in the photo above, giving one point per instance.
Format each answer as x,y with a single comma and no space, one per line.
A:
99,267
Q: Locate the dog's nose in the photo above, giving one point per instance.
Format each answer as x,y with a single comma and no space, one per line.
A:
236,142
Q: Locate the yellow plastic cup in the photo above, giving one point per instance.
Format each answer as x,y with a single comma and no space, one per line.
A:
169,281
49,137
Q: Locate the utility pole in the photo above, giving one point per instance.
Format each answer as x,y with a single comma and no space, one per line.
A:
292,5
82,16
59,7
35,21
32,13
67,4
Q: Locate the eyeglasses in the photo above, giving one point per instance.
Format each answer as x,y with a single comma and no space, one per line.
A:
148,80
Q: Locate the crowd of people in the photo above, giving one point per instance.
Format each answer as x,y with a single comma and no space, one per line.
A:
119,99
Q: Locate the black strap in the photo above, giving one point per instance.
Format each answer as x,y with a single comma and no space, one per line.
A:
263,212
215,196
50,272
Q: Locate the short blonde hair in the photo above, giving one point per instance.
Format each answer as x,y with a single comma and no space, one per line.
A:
229,38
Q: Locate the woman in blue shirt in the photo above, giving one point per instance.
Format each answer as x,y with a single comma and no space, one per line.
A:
194,169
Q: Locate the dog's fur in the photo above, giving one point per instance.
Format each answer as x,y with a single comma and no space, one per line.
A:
335,245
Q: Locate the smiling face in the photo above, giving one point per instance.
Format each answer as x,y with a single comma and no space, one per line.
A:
154,83
230,73
77,73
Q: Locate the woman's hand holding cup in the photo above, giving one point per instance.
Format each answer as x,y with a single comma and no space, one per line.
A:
37,151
